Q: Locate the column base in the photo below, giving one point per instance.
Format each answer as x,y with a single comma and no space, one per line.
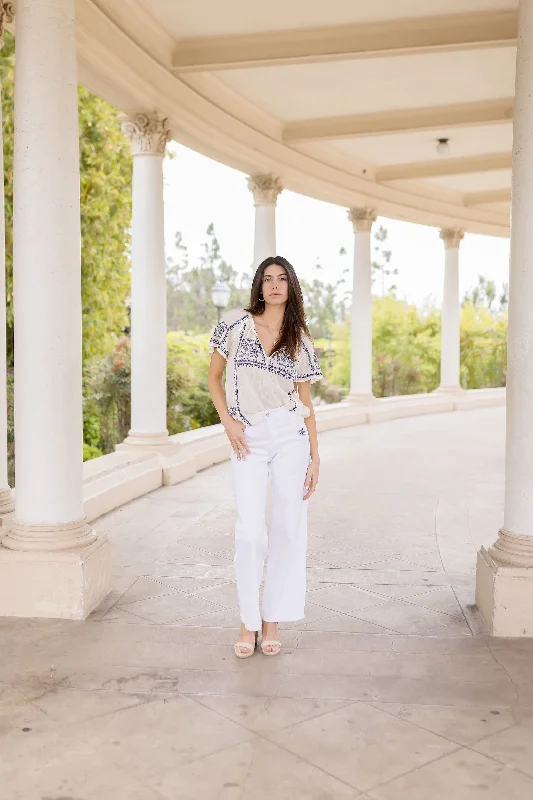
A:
49,537
143,439
504,596
7,506
176,465
360,398
66,584
5,522
453,389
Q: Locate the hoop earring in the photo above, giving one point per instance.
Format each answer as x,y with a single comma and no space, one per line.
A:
261,298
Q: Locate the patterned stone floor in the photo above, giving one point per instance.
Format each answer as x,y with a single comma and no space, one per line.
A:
389,690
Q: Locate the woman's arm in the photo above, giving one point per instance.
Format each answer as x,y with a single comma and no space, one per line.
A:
234,428
217,366
304,392
311,481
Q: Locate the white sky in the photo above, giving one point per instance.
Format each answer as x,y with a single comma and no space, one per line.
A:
199,191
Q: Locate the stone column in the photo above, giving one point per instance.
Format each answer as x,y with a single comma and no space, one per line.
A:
52,562
6,497
265,189
450,382
149,136
504,581
361,330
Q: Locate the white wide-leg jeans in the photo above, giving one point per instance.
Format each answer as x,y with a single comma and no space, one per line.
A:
279,443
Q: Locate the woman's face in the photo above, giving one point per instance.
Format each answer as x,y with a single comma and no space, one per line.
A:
275,285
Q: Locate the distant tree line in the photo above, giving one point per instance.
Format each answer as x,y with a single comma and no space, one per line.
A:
406,338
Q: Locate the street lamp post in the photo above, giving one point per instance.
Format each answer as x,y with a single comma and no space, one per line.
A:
220,295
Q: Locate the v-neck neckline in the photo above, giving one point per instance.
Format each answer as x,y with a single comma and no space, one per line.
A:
259,340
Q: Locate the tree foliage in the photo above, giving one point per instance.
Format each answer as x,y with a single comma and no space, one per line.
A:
381,269
189,304
105,172
194,408
107,402
105,197
485,294
322,303
8,128
483,346
406,348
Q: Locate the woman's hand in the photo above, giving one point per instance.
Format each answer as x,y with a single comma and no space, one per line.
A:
235,433
311,479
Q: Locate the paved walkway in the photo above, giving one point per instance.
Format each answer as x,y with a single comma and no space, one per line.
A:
389,690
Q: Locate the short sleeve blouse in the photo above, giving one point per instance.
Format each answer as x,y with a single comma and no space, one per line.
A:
256,382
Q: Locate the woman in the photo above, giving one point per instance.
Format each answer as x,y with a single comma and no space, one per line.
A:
270,364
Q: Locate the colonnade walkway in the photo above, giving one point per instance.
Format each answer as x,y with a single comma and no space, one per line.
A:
389,689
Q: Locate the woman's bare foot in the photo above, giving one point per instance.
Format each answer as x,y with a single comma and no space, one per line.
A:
270,634
245,636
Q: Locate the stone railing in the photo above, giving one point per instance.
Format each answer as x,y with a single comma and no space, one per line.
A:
117,478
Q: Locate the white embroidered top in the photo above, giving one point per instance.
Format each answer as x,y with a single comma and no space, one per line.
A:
256,382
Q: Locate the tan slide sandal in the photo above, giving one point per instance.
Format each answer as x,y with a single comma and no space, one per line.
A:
271,643
249,649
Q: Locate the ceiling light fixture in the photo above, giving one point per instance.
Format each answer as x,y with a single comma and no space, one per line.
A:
443,147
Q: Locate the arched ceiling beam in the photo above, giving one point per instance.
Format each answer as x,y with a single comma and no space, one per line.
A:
115,62
486,198
399,121
444,166
420,35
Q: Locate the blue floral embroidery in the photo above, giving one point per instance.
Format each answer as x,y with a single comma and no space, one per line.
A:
219,338
282,364
250,353
236,383
293,395
247,351
302,431
314,366
236,414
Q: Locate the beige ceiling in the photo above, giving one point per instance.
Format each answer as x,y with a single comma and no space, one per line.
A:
304,91
475,182
188,18
420,147
344,99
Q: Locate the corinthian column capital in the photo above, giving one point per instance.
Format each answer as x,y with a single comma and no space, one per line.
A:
451,237
148,134
265,189
7,13
362,219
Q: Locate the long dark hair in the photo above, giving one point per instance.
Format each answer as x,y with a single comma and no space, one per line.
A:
294,324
